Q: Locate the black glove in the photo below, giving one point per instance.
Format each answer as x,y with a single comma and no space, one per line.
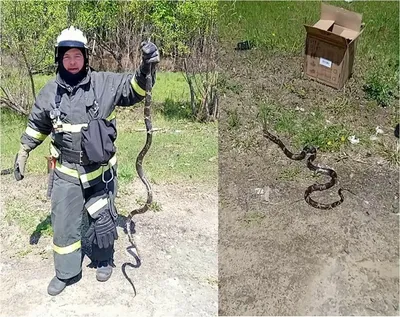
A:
150,55
103,231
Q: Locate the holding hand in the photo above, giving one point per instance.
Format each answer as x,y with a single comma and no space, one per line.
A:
150,55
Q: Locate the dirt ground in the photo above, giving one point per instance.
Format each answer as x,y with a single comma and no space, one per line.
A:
177,275
278,255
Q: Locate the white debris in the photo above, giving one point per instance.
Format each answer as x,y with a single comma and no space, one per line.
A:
353,139
266,195
380,162
263,192
259,191
378,130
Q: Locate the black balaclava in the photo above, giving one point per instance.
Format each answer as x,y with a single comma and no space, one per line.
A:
71,79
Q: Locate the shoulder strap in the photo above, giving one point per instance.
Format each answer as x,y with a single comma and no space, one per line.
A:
58,97
94,110
57,100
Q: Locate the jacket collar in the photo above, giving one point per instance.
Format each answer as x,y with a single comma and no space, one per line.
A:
63,84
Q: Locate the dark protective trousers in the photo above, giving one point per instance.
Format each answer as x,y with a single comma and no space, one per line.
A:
67,208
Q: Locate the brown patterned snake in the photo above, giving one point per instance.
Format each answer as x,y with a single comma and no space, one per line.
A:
321,170
140,172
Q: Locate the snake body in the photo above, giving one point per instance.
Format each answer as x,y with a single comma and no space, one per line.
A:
146,147
312,154
139,169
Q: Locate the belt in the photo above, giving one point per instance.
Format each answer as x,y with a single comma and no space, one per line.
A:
71,156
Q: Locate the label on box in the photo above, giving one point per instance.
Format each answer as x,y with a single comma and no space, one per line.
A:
325,62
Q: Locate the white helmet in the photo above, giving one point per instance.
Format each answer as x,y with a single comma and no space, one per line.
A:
71,38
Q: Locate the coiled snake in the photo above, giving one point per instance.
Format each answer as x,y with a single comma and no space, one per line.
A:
139,170
311,150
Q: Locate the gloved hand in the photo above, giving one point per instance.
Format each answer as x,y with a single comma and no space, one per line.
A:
150,55
20,162
103,231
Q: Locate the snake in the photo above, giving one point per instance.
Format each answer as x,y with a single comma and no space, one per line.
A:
311,151
139,169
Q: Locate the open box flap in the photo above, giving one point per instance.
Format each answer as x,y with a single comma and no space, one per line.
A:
326,35
346,33
342,17
324,24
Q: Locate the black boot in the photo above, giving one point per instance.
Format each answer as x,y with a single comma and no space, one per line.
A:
56,286
103,271
103,261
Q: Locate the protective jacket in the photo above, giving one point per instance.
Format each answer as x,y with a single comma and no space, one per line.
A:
97,94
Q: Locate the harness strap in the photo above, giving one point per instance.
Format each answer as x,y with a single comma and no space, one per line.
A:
63,153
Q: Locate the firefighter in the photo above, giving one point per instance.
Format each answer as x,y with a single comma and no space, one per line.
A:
77,108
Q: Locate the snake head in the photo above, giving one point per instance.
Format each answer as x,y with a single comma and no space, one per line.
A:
310,149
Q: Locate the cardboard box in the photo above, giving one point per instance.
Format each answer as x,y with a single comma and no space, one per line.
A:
331,45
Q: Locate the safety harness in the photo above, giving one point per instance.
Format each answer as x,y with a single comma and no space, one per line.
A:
98,137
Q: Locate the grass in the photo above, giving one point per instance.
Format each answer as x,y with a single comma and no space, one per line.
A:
304,128
233,119
278,27
313,128
253,218
29,218
182,150
290,173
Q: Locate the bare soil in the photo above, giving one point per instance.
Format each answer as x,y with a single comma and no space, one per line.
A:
278,255
176,274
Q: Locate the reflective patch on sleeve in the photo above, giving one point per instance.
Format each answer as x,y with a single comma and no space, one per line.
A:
111,116
35,134
137,88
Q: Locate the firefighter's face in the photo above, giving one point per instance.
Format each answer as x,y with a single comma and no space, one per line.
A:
73,60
